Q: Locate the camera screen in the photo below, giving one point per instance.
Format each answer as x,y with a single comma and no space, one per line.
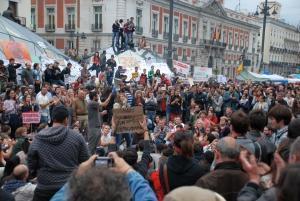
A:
104,162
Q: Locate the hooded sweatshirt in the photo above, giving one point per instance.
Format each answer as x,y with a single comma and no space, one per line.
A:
183,171
54,153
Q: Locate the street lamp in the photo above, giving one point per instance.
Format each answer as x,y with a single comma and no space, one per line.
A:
265,11
170,39
77,35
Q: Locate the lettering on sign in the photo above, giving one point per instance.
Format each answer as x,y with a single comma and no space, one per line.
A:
31,117
127,119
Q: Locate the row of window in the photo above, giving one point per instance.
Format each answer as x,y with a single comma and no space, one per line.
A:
155,24
285,34
70,17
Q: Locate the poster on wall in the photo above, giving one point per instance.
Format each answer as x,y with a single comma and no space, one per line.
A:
202,74
182,69
16,50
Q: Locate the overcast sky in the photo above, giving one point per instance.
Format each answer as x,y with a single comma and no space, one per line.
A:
290,10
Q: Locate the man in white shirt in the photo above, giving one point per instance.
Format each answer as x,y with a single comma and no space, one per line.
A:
106,138
44,101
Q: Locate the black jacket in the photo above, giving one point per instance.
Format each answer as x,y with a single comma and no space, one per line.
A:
116,27
143,165
12,72
182,171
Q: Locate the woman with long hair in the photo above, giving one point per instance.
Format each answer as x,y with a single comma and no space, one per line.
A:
11,107
180,169
96,63
150,107
28,105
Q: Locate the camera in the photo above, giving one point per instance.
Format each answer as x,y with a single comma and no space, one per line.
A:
104,162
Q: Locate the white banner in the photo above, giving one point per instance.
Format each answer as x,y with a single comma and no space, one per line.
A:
182,69
202,74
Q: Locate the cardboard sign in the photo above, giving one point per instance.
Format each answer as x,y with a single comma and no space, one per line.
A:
31,117
202,74
127,119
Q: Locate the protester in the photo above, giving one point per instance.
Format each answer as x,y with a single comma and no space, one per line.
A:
67,150
189,131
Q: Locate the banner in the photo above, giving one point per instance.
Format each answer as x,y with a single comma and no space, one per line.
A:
202,74
16,50
31,117
127,119
183,69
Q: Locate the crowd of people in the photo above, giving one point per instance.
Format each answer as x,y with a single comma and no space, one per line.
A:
209,141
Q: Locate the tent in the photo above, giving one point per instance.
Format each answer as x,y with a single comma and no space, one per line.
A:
272,77
20,43
246,75
131,59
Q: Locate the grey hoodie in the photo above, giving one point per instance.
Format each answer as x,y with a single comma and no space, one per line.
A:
54,153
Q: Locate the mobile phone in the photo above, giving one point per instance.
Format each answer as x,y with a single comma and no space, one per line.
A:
104,162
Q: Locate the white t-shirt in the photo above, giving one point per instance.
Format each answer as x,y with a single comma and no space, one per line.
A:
41,100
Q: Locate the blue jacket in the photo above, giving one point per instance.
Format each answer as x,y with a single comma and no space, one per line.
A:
139,188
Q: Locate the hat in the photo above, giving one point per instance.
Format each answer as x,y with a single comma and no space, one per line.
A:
60,113
193,193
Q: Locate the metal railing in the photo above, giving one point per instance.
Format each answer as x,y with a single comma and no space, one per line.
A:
50,27
69,27
96,27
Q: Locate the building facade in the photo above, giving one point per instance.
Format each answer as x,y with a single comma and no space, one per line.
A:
204,33
20,9
282,47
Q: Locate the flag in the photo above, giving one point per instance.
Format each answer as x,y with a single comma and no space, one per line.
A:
240,68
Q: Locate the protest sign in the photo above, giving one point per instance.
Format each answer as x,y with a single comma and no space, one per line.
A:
127,119
202,74
31,117
182,69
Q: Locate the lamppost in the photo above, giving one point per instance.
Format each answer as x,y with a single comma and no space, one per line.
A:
170,38
77,35
265,11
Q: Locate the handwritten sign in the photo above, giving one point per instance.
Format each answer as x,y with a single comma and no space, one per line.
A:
127,119
31,117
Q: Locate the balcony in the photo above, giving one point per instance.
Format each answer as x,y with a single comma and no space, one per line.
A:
139,30
69,27
185,39
50,27
235,47
184,58
193,40
166,35
176,37
213,44
155,33
96,27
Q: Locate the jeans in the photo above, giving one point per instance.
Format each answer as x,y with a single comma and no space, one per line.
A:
127,138
44,119
151,115
128,39
115,39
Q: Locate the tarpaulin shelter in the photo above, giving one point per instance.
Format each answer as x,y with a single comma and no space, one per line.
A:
20,43
130,59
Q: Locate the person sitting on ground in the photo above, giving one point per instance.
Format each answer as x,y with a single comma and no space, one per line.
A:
18,185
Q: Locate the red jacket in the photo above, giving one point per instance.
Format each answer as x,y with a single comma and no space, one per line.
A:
154,178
